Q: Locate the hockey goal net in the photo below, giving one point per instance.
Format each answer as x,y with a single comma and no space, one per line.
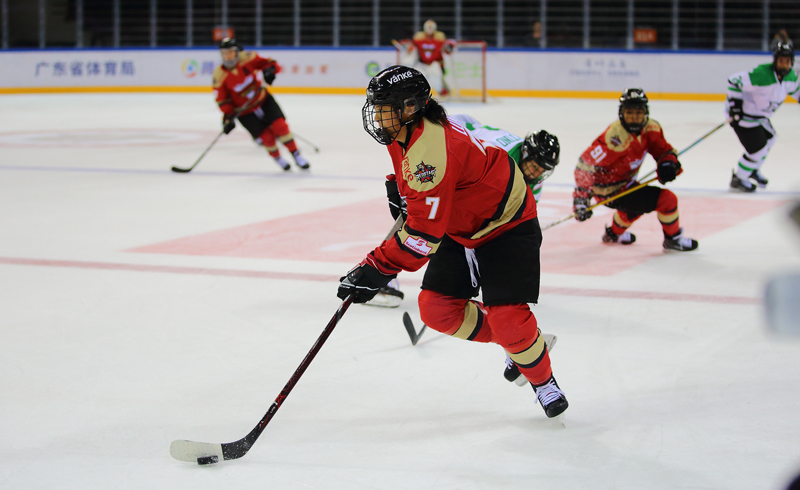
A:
465,68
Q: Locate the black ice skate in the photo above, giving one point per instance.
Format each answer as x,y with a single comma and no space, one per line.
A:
738,184
624,239
512,373
679,243
759,178
552,398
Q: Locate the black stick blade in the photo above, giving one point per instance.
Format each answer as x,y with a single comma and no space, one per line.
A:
412,332
181,170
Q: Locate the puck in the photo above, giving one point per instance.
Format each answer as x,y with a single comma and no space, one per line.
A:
208,459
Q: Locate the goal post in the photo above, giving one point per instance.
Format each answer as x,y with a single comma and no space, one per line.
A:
465,68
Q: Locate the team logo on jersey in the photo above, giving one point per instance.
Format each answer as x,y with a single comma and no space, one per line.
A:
425,173
616,141
419,245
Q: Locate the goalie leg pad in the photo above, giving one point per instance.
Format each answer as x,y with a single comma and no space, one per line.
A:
516,330
461,318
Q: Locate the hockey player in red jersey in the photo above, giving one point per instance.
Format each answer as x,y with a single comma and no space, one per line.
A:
241,94
610,165
470,217
431,45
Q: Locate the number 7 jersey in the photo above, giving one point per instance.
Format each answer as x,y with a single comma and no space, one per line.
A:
452,185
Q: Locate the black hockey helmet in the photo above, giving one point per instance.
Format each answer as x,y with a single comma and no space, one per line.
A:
543,148
401,88
782,48
229,43
634,98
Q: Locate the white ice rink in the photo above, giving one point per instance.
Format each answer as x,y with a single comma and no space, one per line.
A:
140,306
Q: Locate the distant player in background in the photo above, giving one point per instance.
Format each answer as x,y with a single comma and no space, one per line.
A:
241,93
610,165
431,45
752,98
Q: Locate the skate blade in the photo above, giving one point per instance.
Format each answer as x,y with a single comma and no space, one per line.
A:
384,301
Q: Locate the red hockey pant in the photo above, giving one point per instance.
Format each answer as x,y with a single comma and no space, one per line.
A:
278,130
513,327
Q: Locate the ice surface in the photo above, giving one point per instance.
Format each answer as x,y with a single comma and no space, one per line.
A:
140,306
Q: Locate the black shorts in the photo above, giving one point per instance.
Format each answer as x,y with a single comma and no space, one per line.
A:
262,118
508,267
753,139
638,203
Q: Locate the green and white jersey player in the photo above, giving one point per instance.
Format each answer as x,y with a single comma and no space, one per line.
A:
753,96
536,155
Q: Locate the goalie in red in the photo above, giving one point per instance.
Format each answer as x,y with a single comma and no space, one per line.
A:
431,45
241,93
470,217
610,165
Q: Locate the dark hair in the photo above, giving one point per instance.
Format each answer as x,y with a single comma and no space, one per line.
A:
435,113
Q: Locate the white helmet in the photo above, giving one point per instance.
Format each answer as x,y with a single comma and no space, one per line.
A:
429,27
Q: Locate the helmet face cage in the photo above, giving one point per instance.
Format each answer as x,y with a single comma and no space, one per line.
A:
230,43
782,48
398,88
543,150
634,98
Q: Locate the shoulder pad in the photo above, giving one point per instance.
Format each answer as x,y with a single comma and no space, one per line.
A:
218,77
652,125
617,138
439,36
246,56
419,35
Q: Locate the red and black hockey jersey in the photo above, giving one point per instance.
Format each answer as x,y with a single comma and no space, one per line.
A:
452,184
242,88
612,161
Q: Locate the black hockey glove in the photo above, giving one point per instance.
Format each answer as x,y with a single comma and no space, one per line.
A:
363,282
269,74
735,109
228,123
579,207
397,205
668,168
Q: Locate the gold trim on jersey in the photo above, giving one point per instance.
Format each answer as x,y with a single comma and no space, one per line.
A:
419,245
652,125
606,190
585,166
512,202
425,163
618,139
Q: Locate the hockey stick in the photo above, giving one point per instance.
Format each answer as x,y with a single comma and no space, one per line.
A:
187,170
412,332
316,150
617,196
640,185
209,453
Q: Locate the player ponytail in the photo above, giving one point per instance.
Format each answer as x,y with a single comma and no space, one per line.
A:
435,113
